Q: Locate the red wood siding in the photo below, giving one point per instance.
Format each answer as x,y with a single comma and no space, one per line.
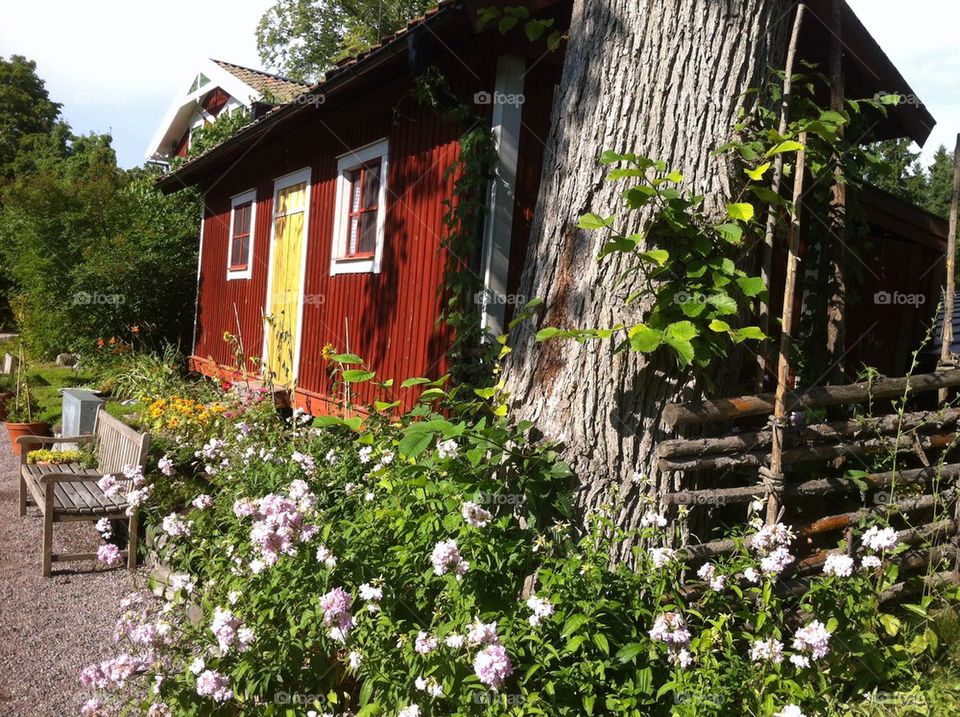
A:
388,318
215,100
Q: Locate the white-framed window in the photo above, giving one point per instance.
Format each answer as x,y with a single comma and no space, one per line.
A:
361,210
243,222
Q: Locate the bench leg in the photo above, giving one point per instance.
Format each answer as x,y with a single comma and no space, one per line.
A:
23,497
132,527
48,531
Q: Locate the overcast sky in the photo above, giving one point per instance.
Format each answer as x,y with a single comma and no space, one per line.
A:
116,65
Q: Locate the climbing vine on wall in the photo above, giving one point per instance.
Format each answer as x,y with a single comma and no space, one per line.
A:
472,359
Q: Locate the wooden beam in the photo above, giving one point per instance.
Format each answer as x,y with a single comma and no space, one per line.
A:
766,267
951,287
724,409
818,432
816,486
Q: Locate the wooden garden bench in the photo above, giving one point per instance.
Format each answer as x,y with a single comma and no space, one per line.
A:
69,492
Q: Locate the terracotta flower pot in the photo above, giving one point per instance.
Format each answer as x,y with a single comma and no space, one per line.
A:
4,397
25,429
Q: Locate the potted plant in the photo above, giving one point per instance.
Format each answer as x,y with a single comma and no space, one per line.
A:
22,411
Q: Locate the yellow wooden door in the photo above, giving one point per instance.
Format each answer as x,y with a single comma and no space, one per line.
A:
289,221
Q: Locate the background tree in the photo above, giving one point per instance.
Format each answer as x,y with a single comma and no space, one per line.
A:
304,38
940,183
897,170
25,107
671,90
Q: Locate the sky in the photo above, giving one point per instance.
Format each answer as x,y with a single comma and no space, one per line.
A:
116,65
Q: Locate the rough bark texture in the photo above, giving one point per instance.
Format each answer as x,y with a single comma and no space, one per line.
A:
663,78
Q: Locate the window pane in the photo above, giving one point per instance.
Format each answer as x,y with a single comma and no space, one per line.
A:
241,219
352,239
371,185
368,233
355,178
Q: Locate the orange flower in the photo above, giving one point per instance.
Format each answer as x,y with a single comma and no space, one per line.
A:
135,329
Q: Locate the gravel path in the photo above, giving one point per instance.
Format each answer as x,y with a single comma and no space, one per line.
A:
50,628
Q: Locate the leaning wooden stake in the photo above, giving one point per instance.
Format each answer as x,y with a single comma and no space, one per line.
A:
766,268
775,477
951,288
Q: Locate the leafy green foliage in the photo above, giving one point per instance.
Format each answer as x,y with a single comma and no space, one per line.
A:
213,133
383,493
80,236
683,264
304,38
25,108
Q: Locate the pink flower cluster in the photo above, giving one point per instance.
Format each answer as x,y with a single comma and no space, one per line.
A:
228,629
671,629
212,684
475,515
812,641
175,526
540,607
838,565
708,573
425,643
131,487
336,613
772,545
109,554
880,539
446,558
278,522
115,671
492,666
769,650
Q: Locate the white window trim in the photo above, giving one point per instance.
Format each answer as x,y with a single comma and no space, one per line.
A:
248,196
346,163
280,183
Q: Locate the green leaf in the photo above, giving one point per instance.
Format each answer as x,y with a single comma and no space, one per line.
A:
656,256
757,174
683,348
414,443
730,232
682,330
724,303
574,623
719,326
347,358
742,211
748,333
674,177
382,406
890,624
601,642
629,652
787,146
644,339
547,333
609,157
593,221
357,375
534,30
414,382
751,285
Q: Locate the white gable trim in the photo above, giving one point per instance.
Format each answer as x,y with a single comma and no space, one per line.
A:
184,105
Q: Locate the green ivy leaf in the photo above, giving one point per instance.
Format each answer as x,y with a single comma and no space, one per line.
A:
742,212
757,174
787,146
719,326
751,285
752,333
731,232
724,303
644,339
592,221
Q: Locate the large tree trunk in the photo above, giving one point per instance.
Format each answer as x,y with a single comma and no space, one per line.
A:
663,78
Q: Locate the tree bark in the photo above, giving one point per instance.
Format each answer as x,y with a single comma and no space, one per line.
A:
665,79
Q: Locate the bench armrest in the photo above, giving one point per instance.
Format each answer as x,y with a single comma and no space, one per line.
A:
40,440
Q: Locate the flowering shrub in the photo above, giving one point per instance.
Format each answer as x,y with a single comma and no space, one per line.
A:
430,565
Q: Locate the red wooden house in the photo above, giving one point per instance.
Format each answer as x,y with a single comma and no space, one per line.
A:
323,219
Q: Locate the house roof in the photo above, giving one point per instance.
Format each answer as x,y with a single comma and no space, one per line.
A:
862,54
267,84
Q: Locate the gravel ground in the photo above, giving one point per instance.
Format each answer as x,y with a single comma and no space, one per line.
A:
50,628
